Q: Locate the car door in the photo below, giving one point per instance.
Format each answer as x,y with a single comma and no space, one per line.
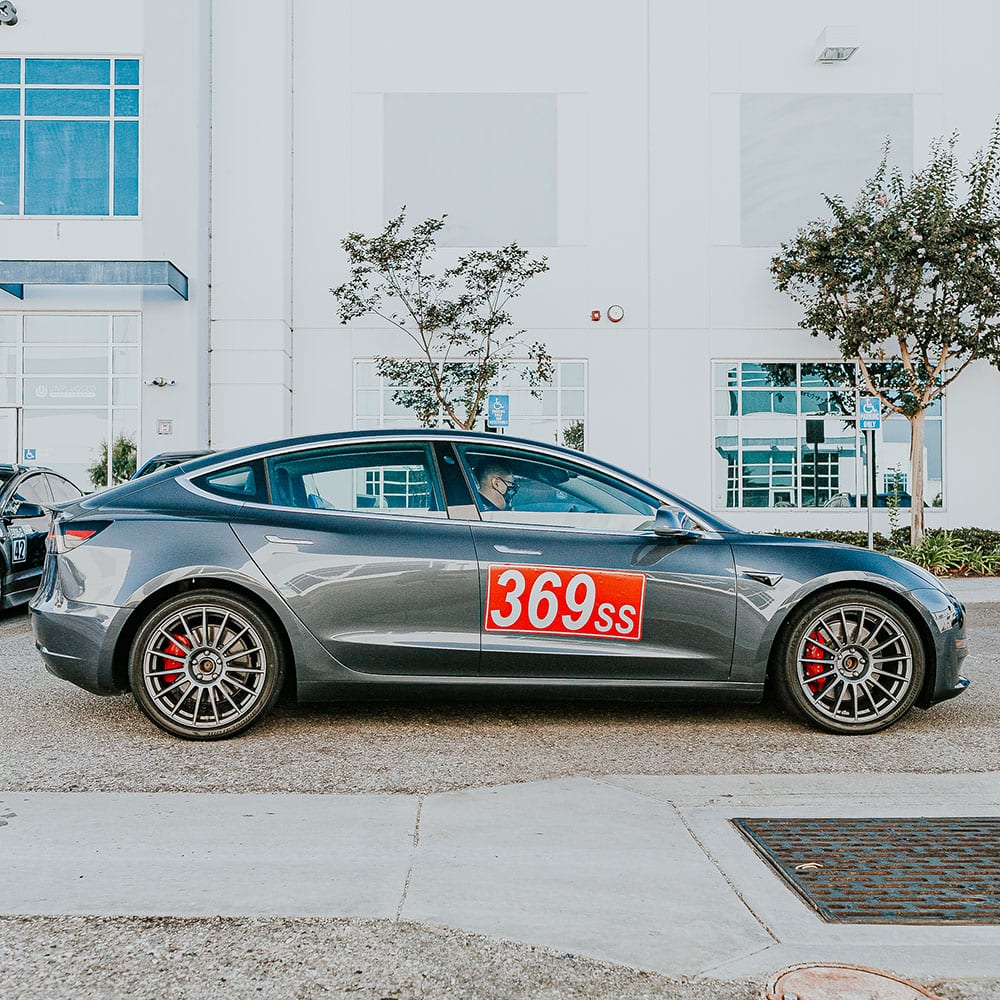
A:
576,584
358,542
25,536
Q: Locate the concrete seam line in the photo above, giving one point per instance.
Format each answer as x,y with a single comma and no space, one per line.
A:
413,851
732,885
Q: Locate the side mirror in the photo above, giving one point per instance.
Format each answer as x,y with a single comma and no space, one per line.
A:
671,522
17,510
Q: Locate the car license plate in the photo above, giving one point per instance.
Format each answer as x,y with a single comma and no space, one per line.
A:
18,544
558,600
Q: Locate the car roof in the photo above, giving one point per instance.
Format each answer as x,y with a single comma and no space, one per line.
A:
8,467
193,453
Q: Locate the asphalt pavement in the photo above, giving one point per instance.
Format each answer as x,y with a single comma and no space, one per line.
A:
538,865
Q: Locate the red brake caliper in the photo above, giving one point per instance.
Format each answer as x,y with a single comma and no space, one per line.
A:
178,648
814,669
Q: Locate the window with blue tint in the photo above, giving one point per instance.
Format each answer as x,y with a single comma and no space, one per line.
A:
10,167
127,72
787,435
69,130
126,168
126,103
66,168
65,103
72,71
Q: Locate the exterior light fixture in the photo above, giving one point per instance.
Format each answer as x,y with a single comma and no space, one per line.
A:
837,43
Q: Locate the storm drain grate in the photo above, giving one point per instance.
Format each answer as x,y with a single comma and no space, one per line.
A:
887,871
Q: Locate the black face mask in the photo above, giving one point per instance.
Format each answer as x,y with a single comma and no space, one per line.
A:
510,490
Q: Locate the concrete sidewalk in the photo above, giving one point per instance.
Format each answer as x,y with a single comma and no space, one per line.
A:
641,870
975,589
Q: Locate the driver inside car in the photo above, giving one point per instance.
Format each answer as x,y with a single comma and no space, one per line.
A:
496,486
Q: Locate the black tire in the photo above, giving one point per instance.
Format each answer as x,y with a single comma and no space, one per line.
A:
851,662
206,665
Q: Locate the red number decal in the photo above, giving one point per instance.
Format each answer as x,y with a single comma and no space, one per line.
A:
591,602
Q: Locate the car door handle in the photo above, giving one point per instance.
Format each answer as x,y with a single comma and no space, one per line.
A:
516,552
287,541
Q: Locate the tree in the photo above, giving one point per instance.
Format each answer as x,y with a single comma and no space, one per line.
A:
907,282
458,319
122,462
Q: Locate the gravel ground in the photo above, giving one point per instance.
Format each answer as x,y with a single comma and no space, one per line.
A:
55,737
155,958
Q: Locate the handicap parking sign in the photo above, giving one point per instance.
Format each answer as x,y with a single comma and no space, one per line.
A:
498,411
29,455
870,412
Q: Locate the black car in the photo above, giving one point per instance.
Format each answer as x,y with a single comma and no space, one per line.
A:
165,459
27,495
377,561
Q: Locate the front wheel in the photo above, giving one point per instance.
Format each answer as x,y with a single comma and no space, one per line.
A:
206,665
852,662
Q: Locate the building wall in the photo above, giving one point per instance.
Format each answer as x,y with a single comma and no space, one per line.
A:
271,129
655,211
172,41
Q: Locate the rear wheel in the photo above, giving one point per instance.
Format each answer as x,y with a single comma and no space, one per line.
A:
852,662
206,665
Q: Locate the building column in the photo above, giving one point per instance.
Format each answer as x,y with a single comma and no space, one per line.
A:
251,222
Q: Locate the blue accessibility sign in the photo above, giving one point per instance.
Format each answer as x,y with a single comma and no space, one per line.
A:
498,411
29,455
870,413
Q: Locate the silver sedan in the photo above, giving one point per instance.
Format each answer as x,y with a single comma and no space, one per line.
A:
373,562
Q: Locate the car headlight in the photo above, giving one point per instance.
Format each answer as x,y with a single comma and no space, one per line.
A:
949,617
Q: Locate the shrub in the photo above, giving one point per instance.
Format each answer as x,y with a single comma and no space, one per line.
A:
122,462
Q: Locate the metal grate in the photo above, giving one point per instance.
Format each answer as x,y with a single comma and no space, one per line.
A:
887,871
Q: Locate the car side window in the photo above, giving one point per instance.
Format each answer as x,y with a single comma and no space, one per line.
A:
397,479
523,488
34,490
62,489
246,482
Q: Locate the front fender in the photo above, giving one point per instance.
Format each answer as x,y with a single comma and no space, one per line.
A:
762,612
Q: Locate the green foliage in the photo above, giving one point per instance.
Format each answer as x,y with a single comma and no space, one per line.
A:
958,552
892,500
122,462
906,281
573,435
457,318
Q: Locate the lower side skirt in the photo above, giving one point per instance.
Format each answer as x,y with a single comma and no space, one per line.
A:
653,690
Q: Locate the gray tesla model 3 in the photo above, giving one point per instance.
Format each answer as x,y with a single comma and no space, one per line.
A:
361,562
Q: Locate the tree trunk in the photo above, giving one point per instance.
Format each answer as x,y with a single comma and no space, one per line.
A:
917,478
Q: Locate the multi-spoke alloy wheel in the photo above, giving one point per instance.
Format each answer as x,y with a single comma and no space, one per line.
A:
205,666
853,663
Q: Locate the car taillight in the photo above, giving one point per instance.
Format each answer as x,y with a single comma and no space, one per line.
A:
68,535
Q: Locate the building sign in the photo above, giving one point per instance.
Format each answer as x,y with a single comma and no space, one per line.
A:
8,13
65,390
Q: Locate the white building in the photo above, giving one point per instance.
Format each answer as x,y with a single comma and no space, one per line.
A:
655,150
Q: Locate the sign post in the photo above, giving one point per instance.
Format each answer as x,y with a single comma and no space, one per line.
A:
870,417
498,411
